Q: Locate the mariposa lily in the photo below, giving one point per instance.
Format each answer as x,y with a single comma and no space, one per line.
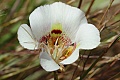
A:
59,31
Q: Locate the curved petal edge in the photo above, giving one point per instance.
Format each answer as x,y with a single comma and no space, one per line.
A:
26,38
88,36
72,58
47,62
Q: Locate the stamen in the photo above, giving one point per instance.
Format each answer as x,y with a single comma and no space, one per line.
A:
56,41
67,52
57,44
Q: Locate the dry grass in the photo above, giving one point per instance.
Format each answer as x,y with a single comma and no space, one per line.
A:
102,63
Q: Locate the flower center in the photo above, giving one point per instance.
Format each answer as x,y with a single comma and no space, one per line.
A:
58,44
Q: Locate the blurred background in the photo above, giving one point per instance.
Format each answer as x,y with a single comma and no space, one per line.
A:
17,63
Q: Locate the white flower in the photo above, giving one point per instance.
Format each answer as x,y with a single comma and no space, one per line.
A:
59,31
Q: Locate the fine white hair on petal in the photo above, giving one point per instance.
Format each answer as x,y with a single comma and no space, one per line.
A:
47,62
72,58
69,17
88,36
42,18
26,38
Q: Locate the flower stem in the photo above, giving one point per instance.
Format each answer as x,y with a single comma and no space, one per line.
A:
55,75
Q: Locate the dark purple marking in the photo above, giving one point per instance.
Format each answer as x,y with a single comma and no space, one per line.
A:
56,31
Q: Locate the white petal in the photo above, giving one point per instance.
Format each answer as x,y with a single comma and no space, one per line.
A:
72,58
42,18
26,37
47,62
40,21
88,36
69,17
